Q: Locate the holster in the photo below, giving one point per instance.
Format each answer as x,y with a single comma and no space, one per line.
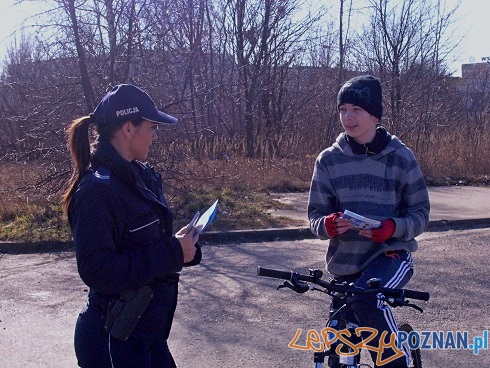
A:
124,313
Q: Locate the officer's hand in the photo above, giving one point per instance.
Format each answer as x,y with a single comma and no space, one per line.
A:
188,243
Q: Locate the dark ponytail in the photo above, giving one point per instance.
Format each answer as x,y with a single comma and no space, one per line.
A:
79,146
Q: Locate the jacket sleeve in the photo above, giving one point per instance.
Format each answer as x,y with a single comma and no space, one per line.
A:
96,229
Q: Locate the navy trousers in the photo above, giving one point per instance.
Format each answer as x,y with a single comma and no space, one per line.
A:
95,348
395,270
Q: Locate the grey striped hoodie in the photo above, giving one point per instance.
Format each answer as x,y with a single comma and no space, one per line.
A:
389,184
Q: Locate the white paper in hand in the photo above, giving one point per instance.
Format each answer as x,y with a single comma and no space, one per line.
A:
206,218
360,222
193,222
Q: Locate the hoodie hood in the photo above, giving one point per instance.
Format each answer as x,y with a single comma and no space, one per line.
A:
383,144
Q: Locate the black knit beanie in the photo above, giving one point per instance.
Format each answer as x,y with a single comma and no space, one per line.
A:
364,91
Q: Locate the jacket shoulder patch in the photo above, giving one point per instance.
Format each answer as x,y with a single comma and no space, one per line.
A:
102,175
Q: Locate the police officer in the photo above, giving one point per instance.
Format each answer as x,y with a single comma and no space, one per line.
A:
121,225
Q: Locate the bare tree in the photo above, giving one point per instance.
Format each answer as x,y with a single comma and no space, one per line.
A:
251,78
82,60
265,39
403,45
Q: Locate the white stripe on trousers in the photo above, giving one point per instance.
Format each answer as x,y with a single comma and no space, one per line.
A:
405,267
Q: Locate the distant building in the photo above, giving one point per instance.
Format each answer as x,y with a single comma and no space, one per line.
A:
476,79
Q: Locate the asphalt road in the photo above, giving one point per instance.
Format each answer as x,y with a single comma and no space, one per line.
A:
229,317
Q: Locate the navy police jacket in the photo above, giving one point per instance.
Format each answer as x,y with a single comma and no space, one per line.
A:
122,231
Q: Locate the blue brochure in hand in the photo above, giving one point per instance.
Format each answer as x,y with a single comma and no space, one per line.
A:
202,222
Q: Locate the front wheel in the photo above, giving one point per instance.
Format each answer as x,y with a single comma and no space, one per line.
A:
415,354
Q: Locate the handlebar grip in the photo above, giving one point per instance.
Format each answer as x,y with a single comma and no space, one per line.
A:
413,294
277,274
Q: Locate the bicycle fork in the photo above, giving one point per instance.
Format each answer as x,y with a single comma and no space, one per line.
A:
337,360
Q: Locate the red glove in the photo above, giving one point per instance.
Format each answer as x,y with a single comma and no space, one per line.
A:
330,224
384,232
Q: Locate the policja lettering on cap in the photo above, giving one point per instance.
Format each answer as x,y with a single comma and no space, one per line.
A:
127,102
132,110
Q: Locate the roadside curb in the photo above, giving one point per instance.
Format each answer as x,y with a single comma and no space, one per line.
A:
236,236
301,233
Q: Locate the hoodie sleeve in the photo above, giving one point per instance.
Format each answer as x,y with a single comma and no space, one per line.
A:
414,205
322,200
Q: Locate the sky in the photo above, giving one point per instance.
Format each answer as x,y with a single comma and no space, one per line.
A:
473,23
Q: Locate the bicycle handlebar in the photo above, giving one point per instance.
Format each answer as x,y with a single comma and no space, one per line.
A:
343,287
414,294
277,274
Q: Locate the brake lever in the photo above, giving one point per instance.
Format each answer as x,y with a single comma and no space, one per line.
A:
416,307
399,302
298,286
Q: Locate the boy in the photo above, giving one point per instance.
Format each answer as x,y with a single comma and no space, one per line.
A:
372,173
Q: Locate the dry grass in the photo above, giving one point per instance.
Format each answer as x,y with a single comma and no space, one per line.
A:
29,212
458,154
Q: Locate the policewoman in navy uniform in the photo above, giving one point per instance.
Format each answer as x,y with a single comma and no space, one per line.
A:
121,225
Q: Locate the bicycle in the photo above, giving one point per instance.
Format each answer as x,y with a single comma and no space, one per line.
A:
338,349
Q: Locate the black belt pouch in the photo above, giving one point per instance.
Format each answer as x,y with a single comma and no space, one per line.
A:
124,313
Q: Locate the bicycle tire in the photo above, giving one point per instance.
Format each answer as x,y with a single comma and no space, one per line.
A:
415,354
